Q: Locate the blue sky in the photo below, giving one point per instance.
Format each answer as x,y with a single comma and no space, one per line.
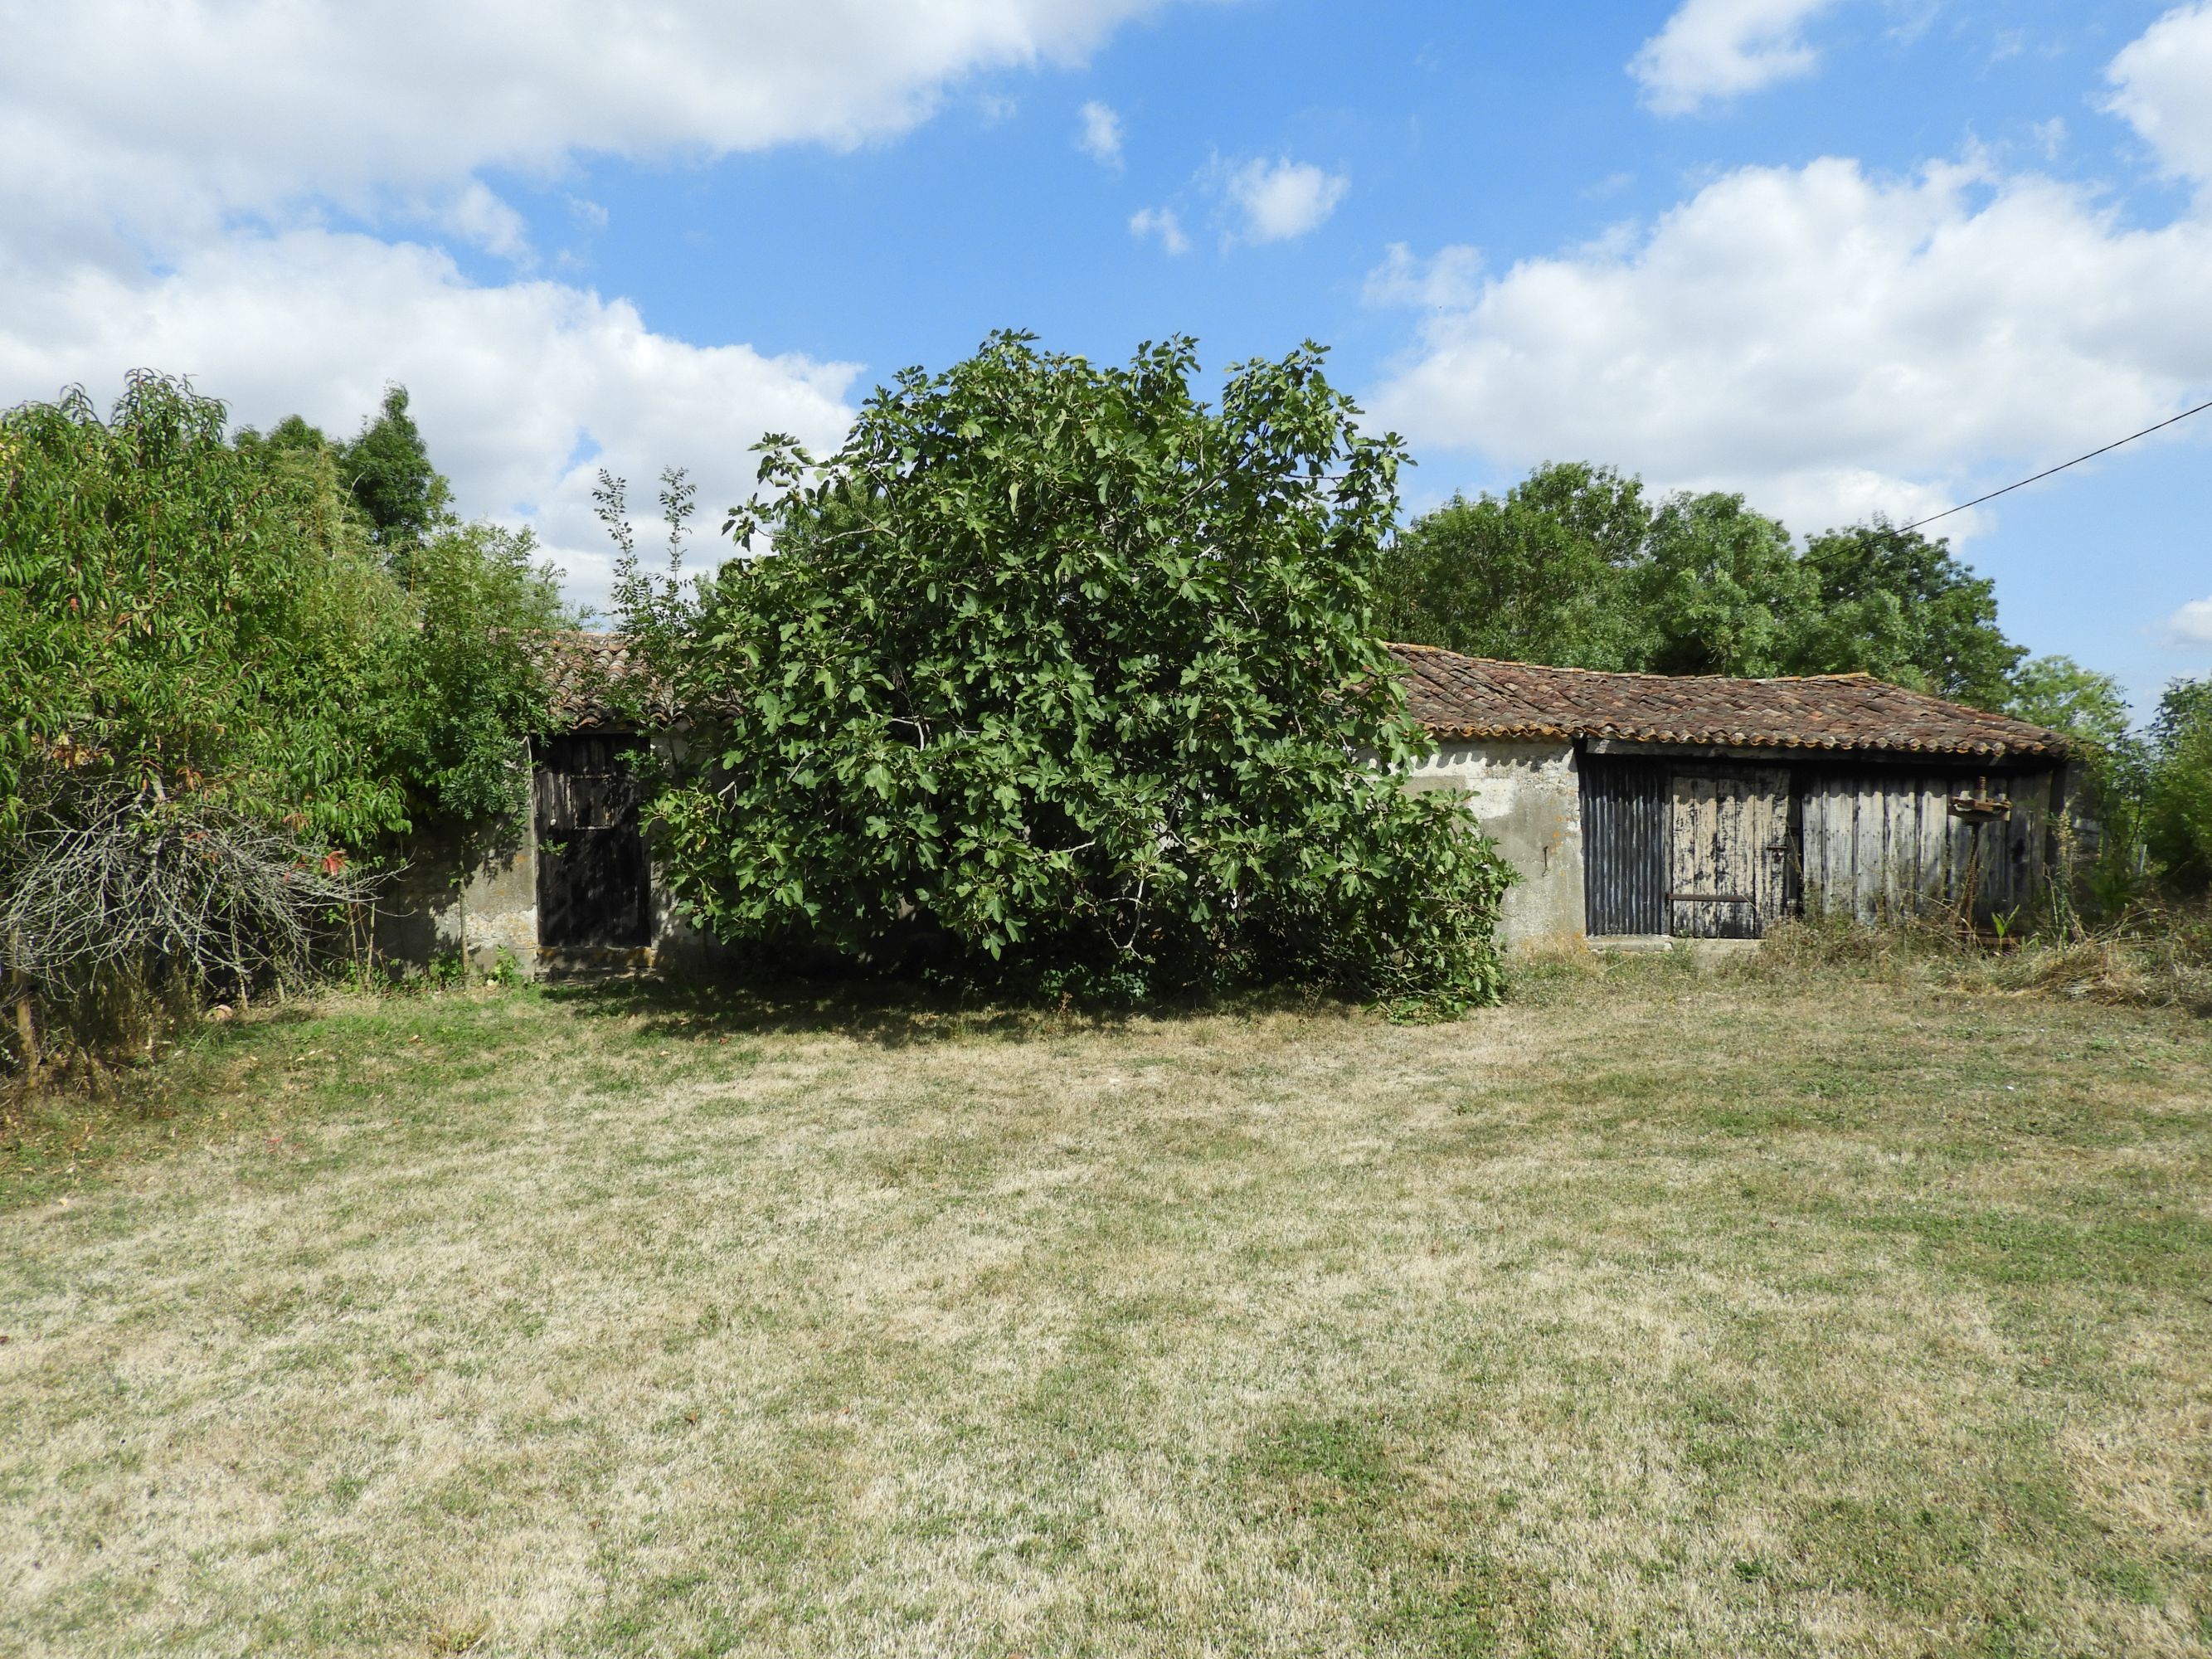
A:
1843,255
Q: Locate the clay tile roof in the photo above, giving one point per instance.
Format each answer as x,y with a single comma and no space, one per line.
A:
581,671
1471,697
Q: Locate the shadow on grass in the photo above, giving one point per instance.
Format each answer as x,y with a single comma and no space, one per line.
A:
889,1012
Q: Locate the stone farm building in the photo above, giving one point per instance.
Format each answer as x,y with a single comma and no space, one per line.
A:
1640,805
1635,806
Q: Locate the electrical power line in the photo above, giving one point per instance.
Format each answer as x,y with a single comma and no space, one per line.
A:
2061,467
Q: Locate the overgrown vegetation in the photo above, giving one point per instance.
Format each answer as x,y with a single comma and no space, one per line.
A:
226,660
2149,800
1075,678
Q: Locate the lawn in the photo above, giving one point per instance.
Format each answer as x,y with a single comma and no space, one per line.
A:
1662,1312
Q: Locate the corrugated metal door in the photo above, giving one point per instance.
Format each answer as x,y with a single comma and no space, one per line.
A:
1728,850
1624,845
593,883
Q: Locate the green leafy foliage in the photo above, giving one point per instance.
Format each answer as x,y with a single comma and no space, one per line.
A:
471,684
180,611
2109,762
173,609
2057,692
386,470
2178,790
1537,574
1075,674
1718,589
1892,603
1575,566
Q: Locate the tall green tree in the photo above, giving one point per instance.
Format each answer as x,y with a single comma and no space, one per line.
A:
181,612
1717,589
2057,692
2179,790
1538,573
471,680
387,471
1082,672
1896,605
1575,567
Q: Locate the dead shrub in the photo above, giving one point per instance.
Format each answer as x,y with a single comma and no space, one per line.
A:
122,909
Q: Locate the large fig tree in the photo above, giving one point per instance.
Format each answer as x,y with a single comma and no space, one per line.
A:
1079,674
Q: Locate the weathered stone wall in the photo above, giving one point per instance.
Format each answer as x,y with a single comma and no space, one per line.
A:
1528,798
470,891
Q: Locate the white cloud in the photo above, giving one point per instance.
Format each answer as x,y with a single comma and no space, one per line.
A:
1163,224
503,379
1832,343
1451,278
166,175
121,121
1718,49
481,219
2163,86
2191,625
1101,138
1283,199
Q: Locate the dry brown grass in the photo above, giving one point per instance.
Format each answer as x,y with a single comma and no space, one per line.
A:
1673,1312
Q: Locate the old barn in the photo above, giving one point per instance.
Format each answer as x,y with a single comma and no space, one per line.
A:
1633,805
1656,807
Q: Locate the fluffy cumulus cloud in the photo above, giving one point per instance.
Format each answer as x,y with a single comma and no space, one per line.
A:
1713,50
524,390
169,174
1276,201
2162,85
170,117
1833,343
2190,626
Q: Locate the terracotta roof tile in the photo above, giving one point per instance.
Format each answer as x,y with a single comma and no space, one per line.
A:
582,670
1475,698
1470,697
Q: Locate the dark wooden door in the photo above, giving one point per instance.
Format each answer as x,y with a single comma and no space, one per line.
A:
1728,851
594,885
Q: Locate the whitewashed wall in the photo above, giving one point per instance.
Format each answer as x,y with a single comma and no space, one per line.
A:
1528,798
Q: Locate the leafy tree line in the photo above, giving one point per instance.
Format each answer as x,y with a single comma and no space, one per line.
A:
299,625
213,648
2153,786
1578,566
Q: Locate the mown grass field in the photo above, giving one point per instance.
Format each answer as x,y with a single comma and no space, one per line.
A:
1661,1312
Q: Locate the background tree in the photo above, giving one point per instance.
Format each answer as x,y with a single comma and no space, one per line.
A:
386,470
1538,574
1575,567
1716,590
214,681
1892,603
1079,671
180,614
2057,692
2178,792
